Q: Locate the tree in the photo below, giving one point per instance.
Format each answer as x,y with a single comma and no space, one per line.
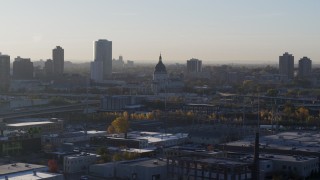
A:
53,166
111,129
121,125
302,113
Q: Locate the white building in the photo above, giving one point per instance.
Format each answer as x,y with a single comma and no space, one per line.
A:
79,162
96,71
19,171
103,53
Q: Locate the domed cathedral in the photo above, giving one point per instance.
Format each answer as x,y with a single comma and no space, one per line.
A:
160,77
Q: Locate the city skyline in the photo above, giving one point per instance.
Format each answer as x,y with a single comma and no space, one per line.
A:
212,31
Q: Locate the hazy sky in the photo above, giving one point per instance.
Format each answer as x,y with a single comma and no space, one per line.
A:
211,30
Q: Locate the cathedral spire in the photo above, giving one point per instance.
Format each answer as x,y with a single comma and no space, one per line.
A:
160,58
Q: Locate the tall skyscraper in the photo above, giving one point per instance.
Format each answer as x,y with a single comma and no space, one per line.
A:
194,66
22,68
305,66
58,60
103,53
4,72
286,65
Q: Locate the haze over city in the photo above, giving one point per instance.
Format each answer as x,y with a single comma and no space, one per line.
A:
214,31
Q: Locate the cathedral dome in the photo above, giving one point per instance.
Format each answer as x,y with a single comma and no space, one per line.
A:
160,67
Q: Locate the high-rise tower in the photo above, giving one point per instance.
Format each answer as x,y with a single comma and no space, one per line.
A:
103,53
286,65
4,72
305,66
22,68
58,60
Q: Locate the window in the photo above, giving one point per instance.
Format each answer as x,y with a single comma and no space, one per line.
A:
268,166
284,167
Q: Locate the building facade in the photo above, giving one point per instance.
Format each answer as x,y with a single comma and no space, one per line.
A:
194,66
286,65
4,72
305,66
22,68
48,67
160,77
103,53
58,60
78,162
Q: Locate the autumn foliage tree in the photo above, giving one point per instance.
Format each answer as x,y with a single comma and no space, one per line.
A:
53,166
120,125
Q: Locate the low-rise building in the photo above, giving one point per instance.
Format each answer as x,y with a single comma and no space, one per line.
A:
70,137
16,143
145,168
19,171
37,125
78,162
142,139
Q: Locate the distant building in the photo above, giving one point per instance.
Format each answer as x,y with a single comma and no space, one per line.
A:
22,68
96,71
160,77
286,65
58,60
103,53
4,72
194,66
118,64
48,67
130,64
305,66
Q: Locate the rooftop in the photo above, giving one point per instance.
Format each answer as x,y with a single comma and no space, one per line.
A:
298,141
29,123
18,167
146,162
30,176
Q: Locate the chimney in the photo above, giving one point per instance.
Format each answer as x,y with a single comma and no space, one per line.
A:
256,169
34,172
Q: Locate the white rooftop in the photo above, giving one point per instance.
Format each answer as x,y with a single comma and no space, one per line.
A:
29,123
30,176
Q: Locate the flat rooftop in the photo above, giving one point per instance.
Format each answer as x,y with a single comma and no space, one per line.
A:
29,123
18,167
294,141
146,162
282,158
30,176
154,137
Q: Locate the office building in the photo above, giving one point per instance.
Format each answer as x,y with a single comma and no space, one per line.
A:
58,60
4,72
102,56
305,66
48,67
96,71
22,68
160,77
194,66
286,65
